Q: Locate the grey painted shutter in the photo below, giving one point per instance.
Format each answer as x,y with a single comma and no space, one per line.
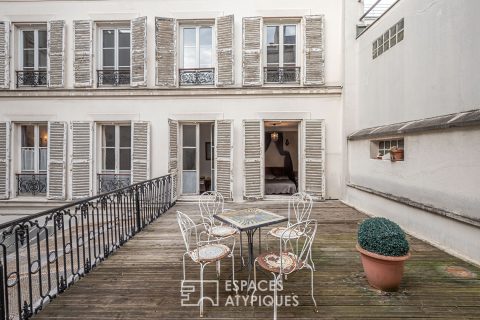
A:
140,151
314,158
165,51
4,160
57,153
253,161
4,54
223,157
173,155
225,44
138,51
252,51
81,168
56,52
82,62
314,66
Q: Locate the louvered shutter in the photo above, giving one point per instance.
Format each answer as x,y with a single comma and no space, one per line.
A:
81,167
165,55
138,51
253,160
225,44
4,54
252,51
4,160
173,155
223,157
55,53
314,66
140,151
82,62
314,158
57,153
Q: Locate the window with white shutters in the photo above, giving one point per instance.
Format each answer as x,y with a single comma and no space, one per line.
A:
314,158
225,55
314,51
4,160
114,56
223,157
82,60
253,159
4,54
32,63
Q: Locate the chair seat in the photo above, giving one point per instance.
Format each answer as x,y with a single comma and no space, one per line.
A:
278,231
210,252
222,231
270,261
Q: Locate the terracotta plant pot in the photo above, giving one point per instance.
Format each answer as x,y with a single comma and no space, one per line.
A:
383,272
396,155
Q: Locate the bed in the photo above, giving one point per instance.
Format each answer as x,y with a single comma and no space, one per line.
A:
277,182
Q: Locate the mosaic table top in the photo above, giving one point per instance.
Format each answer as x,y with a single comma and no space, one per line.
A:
250,218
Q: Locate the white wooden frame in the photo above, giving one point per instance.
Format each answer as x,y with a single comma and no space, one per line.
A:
35,28
197,156
281,23
116,27
197,27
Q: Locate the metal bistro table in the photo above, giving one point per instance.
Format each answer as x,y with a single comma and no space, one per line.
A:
248,221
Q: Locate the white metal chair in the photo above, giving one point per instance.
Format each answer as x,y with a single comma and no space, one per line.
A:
294,255
203,252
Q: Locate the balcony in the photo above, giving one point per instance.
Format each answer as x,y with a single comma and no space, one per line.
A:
197,77
282,75
113,78
109,181
31,184
31,78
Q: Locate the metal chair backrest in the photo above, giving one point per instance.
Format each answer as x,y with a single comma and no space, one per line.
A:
189,231
210,203
300,206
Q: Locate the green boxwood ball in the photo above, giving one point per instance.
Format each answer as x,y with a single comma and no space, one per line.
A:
382,236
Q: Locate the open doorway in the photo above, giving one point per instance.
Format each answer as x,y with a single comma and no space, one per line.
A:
197,152
281,157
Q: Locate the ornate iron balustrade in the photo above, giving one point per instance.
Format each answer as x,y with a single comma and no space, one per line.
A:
30,78
113,78
44,254
34,184
282,75
197,77
110,181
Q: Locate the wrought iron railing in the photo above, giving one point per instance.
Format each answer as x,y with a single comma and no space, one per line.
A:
197,77
44,254
110,181
113,78
31,184
30,78
281,74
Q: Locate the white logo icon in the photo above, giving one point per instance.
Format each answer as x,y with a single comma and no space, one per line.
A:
189,287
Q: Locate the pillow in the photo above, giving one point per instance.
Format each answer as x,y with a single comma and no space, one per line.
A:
282,178
269,176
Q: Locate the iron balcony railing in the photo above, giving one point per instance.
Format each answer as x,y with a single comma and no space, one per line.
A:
113,78
282,75
31,184
44,254
31,78
110,181
197,77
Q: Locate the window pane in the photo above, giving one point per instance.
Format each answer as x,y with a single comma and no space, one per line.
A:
28,136
189,136
28,159
42,39
43,136
28,59
42,58
189,182
109,136
289,34
125,157
205,57
42,161
189,58
108,58
124,57
205,36
272,54
125,136
189,158
28,39
108,39
124,38
272,35
189,37
109,159
289,54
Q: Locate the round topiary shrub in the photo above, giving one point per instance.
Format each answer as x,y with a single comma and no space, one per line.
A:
382,236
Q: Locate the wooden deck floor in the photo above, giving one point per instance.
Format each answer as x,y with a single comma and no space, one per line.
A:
142,279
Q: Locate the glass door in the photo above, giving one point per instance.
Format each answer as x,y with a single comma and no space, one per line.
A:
190,158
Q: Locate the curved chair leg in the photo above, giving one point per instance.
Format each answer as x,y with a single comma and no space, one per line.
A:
202,266
218,269
311,261
184,265
254,277
311,283
275,281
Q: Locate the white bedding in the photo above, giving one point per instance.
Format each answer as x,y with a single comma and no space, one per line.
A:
279,186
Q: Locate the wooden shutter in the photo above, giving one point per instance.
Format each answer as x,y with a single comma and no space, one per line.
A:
252,51
4,54
56,52
173,155
165,51
140,151
253,160
314,158
81,167
225,44
314,66
82,61
57,153
138,51
4,160
223,157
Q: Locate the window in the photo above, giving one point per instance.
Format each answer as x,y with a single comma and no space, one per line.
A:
33,57
390,38
380,149
115,57
281,53
196,55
